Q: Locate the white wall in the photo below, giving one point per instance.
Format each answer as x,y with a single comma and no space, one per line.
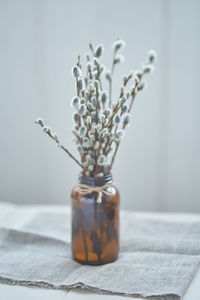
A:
158,163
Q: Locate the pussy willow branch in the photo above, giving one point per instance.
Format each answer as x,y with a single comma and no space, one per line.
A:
110,80
91,48
67,151
116,149
114,155
127,80
63,148
131,104
114,113
130,107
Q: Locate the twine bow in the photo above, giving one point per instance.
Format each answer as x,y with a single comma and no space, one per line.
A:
84,189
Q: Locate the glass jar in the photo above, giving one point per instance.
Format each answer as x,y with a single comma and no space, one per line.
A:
95,226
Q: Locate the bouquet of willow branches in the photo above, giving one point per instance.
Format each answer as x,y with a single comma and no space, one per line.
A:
100,122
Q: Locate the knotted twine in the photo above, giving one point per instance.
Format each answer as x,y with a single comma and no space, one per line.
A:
84,189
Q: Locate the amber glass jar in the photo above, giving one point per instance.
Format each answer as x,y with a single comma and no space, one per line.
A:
95,226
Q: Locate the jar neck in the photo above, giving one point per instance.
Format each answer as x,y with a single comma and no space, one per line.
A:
95,181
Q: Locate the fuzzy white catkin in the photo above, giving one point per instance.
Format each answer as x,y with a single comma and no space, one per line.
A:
87,56
99,50
85,164
104,97
152,55
136,79
100,174
104,131
76,117
101,69
95,74
55,136
108,112
119,134
108,75
76,72
89,66
80,84
118,45
141,86
96,84
96,62
86,142
119,59
93,127
102,118
80,149
128,95
124,78
98,127
124,108
148,68
126,120
46,129
101,160
122,100
138,73
82,110
96,145
122,89
88,157
82,131
116,120
89,120
39,121
106,122
91,168
90,106
94,123
92,137
75,102
90,86
87,94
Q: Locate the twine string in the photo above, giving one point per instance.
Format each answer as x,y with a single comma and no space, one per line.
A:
84,189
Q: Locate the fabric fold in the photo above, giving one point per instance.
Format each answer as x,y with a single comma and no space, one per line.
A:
155,258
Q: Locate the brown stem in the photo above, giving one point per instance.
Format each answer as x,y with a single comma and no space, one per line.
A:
91,48
110,80
97,99
85,244
67,151
77,89
131,104
114,155
110,92
127,80
114,113
62,147
117,146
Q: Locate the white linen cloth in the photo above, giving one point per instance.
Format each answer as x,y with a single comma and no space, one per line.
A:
159,253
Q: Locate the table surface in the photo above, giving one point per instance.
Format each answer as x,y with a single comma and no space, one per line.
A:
17,292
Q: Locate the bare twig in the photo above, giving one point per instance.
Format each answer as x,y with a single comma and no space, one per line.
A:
62,147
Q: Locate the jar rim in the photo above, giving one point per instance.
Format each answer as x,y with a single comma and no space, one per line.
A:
99,181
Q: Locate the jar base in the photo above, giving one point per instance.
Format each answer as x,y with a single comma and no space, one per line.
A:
94,263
